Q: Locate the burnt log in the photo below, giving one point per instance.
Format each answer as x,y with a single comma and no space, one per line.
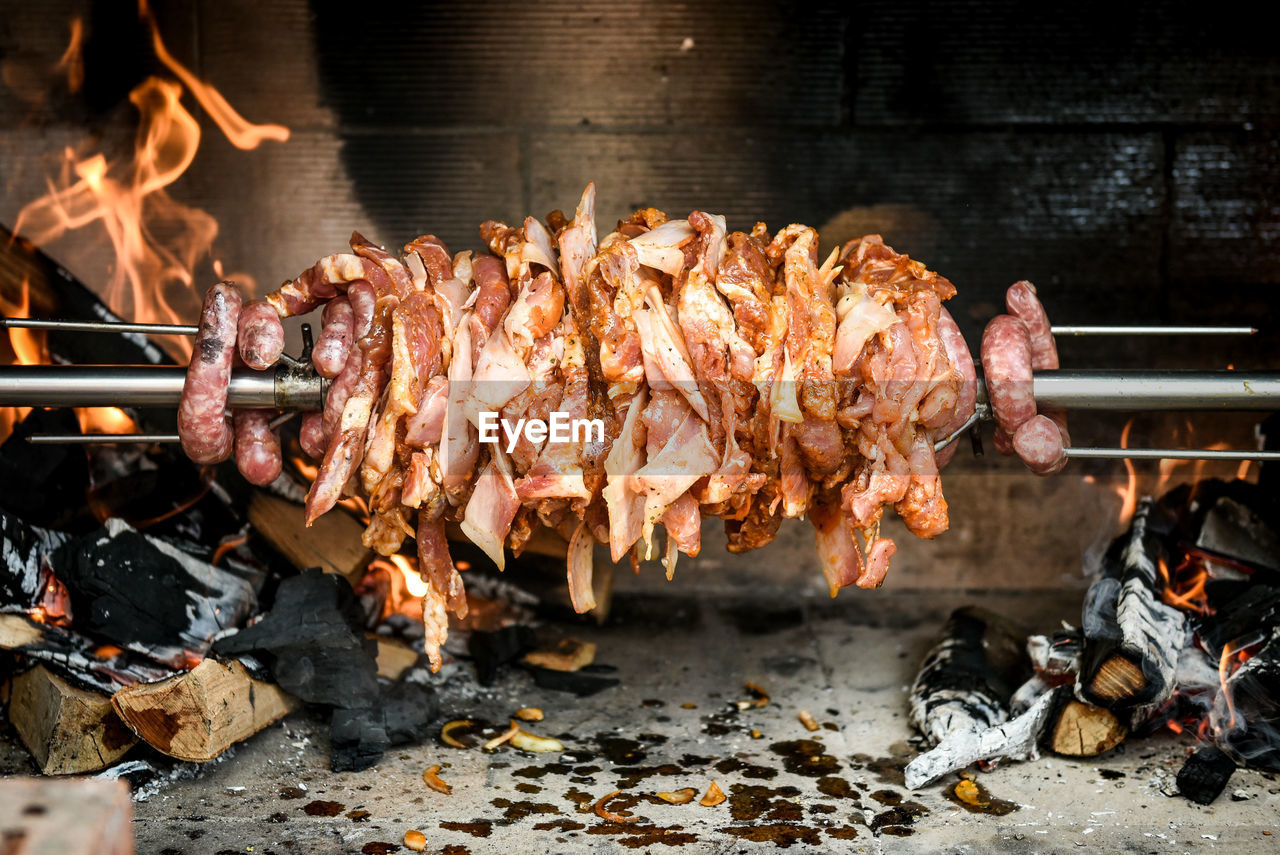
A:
401,715
1015,739
24,552
1205,774
967,679
68,730
75,657
1132,638
313,642
147,595
200,714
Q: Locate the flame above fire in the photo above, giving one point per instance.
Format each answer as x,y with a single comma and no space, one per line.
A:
156,242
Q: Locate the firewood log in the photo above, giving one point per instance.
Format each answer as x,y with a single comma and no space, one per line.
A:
1132,638
197,715
68,730
1083,730
334,546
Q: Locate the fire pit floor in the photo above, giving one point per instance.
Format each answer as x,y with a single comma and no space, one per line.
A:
671,724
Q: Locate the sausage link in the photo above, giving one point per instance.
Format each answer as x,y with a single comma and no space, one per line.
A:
1006,362
202,418
1039,443
1022,302
336,334
311,435
261,335
257,447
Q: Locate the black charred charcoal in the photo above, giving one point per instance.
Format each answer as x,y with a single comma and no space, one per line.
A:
401,715
148,596
313,641
46,485
491,650
23,550
1256,607
576,682
357,740
1205,774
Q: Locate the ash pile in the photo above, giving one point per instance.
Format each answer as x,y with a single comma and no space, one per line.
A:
1179,631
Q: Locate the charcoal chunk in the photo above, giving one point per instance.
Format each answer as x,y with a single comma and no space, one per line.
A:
576,682
491,650
313,641
402,715
1205,774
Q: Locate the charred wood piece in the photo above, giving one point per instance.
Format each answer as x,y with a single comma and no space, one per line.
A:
76,657
1132,638
401,715
968,678
1205,774
313,642
147,595
1016,739
24,553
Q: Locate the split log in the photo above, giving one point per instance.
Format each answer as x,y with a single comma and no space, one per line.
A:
197,715
69,731
48,816
967,679
1083,730
334,546
1132,638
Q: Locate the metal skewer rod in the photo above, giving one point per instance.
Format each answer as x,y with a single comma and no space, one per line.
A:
1138,391
98,326
101,438
151,386
1172,454
1106,329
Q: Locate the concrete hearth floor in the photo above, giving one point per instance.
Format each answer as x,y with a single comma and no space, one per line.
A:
665,727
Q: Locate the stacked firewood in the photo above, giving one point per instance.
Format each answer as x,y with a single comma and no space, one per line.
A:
1180,630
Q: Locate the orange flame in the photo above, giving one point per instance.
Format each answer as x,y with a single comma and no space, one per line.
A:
241,133
156,241
130,204
406,586
1129,493
104,420
72,60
